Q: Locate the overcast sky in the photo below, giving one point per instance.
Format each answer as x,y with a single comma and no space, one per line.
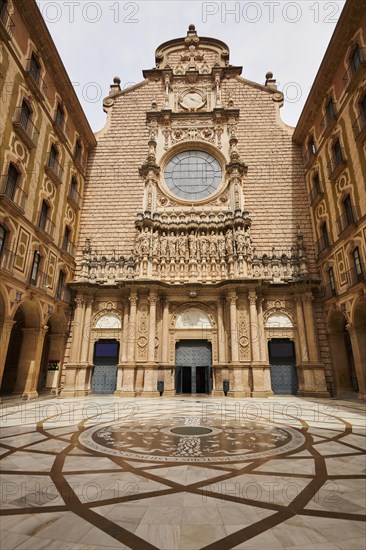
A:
98,40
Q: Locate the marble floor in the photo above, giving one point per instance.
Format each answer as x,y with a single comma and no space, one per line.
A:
183,473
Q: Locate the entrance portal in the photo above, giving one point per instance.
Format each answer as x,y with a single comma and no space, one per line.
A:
104,378
193,372
283,370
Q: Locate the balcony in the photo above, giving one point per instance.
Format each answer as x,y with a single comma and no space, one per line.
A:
74,198
327,123
7,260
61,128
322,244
315,195
12,195
346,220
25,129
35,81
356,275
6,24
337,164
46,226
359,128
309,157
328,292
54,169
69,248
80,162
353,74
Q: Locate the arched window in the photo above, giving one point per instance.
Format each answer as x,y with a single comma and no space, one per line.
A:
279,320
43,216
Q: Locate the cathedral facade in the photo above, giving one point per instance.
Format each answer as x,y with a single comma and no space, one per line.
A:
196,268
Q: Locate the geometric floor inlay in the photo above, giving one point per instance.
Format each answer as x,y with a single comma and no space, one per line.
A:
183,474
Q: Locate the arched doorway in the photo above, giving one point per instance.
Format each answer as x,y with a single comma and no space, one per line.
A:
281,352
357,336
345,378
13,354
53,351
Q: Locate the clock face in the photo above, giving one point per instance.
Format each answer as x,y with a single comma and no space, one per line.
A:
192,100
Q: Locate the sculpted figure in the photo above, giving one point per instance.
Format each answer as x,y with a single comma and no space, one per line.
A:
221,245
155,244
240,240
172,245
204,245
182,245
164,244
213,246
229,242
145,242
192,243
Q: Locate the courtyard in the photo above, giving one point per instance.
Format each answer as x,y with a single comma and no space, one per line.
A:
183,473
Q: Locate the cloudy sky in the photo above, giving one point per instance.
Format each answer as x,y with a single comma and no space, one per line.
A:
98,40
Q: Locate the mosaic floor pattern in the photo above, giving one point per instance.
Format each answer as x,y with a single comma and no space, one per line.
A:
183,473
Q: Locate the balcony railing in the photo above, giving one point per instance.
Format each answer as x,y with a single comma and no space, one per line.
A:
328,121
63,294
75,198
309,156
7,260
352,73
346,220
12,192
359,128
25,128
54,169
356,275
45,224
336,164
80,162
6,23
328,291
315,193
69,247
322,244
35,81
61,128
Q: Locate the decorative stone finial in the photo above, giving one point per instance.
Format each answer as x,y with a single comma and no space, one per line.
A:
270,81
269,75
191,27
117,80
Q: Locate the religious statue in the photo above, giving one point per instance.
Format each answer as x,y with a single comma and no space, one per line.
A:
240,240
182,245
145,242
221,245
213,246
172,242
229,242
192,243
203,245
155,244
164,245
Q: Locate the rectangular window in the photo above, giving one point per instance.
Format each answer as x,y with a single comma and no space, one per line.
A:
34,68
330,110
357,261
53,157
348,210
60,116
356,59
60,285
35,268
331,279
11,181
78,150
43,215
25,115
66,240
337,150
316,183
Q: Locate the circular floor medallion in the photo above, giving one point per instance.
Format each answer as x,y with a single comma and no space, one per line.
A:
190,439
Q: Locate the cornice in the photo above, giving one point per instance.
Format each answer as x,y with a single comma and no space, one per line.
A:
347,24
40,35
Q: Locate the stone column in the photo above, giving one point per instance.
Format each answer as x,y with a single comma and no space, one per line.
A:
221,331
77,330
165,335
254,327
233,327
152,326
125,335
358,342
30,361
86,332
310,329
301,330
132,328
262,333
4,343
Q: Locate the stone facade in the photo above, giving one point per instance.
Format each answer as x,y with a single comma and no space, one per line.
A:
44,142
332,132
239,257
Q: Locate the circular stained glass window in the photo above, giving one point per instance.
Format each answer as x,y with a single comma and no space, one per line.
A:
193,175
